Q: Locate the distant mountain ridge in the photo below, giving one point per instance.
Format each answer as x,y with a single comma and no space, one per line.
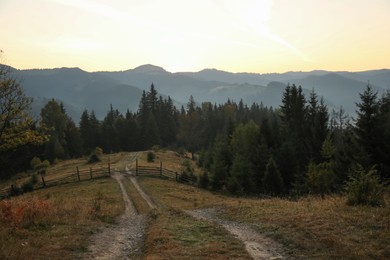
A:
81,90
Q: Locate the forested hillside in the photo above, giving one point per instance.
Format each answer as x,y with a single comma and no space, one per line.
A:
300,147
79,90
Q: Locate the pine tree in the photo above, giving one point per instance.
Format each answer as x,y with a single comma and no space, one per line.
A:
222,162
54,118
85,132
317,126
74,142
368,132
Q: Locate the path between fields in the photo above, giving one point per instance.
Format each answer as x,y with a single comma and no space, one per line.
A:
124,240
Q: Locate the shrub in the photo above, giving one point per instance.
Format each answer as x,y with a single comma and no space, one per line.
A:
41,168
34,178
155,148
95,155
34,162
28,186
93,158
151,156
365,188
188,172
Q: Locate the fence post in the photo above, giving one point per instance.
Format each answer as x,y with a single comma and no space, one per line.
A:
78,173
109,168
90,172
160,169
136,167
43,181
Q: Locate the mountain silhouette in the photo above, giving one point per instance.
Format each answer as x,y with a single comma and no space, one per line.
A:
80,90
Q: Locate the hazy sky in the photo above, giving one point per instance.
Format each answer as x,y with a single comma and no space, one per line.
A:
189,35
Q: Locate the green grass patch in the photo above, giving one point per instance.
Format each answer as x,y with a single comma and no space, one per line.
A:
175,235
139,203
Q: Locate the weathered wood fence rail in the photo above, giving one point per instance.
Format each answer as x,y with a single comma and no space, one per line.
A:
46,181
164,173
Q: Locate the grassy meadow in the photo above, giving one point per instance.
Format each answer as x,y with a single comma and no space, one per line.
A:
56,222
310,228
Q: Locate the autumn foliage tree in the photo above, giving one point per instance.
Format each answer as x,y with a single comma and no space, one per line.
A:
17,129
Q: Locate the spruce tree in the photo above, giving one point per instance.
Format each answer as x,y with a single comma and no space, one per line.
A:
367,130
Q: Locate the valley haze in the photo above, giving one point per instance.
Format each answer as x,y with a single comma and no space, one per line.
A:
80,90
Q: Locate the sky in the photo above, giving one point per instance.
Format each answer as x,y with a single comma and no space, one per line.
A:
261,36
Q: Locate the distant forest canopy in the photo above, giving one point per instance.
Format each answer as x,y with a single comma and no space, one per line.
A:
298,148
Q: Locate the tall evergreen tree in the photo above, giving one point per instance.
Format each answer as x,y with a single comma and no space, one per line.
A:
368,132
54,118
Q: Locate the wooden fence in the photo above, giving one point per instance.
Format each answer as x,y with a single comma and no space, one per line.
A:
48,181
164,173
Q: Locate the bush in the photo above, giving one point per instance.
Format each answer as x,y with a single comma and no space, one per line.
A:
155,148
41,168
365,188
34,162
27,186
95,155
187,174
151,156
93,158
34,178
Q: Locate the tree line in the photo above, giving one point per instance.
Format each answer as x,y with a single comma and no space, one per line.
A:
299,147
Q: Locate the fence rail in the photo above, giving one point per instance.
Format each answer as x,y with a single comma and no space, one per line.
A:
78,175
164,173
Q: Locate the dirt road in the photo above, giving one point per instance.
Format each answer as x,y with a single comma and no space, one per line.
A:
124,240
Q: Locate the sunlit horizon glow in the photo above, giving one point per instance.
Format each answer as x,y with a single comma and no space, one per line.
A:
261,36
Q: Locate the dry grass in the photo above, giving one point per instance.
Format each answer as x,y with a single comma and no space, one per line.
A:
63,169
317,228
56,222
174,235
309,228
